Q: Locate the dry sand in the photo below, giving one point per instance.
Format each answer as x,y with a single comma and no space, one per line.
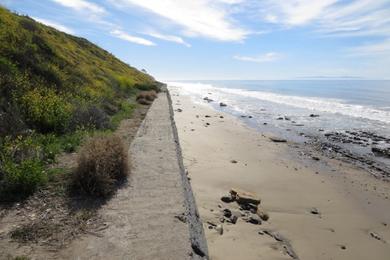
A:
351,203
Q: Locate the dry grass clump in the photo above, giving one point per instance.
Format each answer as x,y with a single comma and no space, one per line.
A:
146,97
102,165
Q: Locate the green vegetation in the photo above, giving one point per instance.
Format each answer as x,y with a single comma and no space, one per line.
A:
55,89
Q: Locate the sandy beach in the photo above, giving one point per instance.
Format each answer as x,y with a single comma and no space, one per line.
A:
319,209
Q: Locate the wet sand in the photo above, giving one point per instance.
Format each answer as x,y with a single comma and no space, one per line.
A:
354,207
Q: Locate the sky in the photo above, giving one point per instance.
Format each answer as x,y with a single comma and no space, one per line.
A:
230,39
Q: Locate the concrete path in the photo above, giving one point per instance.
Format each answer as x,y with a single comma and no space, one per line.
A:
154,216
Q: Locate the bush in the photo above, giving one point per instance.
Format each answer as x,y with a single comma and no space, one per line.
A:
89,117
46,110
146,97
21,168
19,180
102,165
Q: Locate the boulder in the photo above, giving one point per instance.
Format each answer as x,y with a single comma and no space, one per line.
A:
254,219
262,214
244,197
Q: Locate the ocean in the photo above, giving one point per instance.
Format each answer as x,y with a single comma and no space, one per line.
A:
296,109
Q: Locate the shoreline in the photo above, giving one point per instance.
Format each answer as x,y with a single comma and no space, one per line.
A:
353,206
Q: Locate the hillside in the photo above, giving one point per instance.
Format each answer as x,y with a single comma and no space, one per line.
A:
54,88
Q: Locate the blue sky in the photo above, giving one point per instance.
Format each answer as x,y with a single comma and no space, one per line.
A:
230,39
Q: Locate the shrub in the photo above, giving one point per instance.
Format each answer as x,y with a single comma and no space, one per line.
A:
21,168
126,109
89,117
102,165
147,95
46,110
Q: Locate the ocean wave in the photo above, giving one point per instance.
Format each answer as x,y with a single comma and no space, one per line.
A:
315,104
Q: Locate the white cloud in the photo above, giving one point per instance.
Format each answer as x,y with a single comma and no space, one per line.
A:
330,17
127,37
54,25
373,49
206,18
267,57
169,38
82,5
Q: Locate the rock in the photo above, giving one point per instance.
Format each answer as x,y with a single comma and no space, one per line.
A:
220,116
278,140
381,150
315,158
211,223
279,118
244,197
376,236
207,116
233,219
227,199
207,123
314,211
287,118
314,115
179,110
250,116
208,99
254,219
222,104
262,214
233,161
343,247
227,213
265,123
219,229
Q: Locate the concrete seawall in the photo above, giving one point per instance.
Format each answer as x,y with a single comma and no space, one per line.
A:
154,216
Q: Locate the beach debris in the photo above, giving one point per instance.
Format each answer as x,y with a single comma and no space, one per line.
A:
277,139
343,247
250,116
287,118
314,115
315,158
219,229
233,219
279,118
207,116
207,124
243,116
179,110
222,104
314,211
244,197
265,123
233,161
208,99
220,116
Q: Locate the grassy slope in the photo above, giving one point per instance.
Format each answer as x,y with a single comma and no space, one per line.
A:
53,87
